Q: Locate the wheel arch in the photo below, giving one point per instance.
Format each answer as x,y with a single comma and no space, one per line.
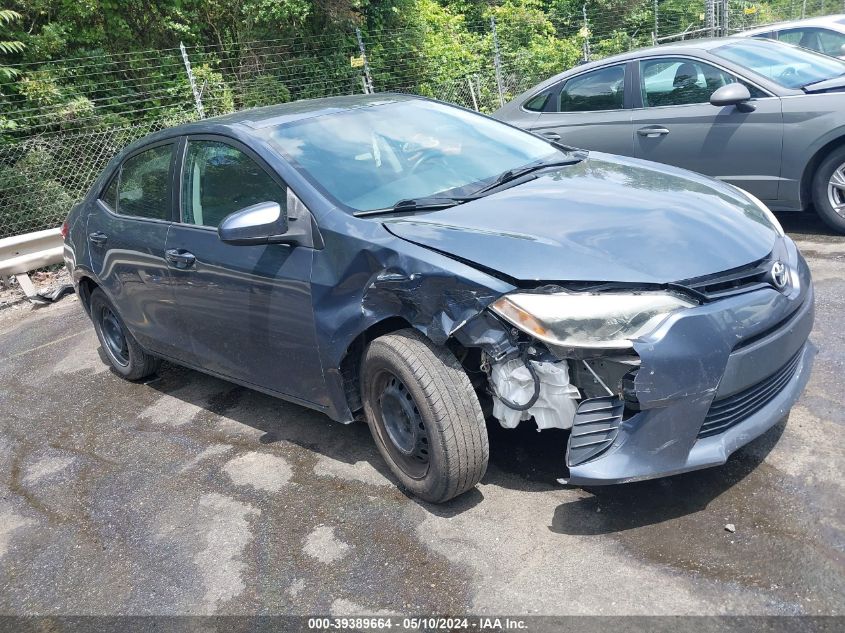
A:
86,285
813,164
350,363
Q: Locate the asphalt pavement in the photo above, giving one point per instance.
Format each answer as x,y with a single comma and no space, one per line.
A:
190,495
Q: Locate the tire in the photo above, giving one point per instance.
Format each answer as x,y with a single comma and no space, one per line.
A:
126,357
424,416
829,199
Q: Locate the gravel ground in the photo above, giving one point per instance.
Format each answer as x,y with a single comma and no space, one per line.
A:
190,495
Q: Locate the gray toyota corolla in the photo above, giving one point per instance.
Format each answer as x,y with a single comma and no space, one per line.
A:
422,267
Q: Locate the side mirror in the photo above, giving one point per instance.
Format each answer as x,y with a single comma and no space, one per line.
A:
735,94
842,51
261,223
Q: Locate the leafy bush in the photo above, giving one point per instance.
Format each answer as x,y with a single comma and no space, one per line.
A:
217,96
30,197
263,90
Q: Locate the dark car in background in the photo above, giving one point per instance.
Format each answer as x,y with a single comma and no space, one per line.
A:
418,265
764,116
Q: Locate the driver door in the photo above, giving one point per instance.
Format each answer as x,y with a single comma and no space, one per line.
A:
677,125
245,311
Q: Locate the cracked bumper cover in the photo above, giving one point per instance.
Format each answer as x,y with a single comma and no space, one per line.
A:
707,353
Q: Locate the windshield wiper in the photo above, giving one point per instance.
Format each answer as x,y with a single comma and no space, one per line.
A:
824,84
431,203
515,174
577,152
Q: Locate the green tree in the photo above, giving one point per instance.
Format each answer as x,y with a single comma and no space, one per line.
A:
8,47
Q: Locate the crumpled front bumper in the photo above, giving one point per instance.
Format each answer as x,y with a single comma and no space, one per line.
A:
705,357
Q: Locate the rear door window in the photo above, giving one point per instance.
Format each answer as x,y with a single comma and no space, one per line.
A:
143,189
832,42
816,39
602,89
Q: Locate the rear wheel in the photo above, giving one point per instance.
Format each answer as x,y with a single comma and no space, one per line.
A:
125,356
829,190
424,416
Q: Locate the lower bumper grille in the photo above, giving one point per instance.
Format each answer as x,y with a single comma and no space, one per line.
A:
594,428
727,412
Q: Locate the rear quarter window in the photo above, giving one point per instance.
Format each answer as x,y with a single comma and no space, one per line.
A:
109,194
537,103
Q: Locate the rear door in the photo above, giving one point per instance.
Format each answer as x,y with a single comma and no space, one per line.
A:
246,310
675,124
127,233
589,110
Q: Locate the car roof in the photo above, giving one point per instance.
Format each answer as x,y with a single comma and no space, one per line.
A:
283,113
673,48
279,114
685,46
835,21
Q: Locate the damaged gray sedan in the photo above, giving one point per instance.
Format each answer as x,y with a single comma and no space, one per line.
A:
422,267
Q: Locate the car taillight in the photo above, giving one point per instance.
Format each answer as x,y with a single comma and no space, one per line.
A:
64,230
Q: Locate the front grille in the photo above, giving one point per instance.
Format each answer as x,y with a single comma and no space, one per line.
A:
743,279
731,410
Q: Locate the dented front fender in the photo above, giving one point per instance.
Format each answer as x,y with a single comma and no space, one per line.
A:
366,275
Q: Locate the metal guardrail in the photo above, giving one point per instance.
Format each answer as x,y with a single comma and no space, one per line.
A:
22,253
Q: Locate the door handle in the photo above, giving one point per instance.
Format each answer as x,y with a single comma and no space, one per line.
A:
98,237
179,258
552,136
652,131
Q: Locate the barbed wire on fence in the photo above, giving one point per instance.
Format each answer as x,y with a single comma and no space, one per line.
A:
66,118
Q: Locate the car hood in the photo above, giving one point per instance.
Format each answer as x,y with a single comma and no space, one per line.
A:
606,218
835,84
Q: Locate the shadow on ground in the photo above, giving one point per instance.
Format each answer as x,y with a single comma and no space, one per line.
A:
279,421
613,509
805,224
520,459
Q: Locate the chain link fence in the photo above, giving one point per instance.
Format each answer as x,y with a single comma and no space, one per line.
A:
64,119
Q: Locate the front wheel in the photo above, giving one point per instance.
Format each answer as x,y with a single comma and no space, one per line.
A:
829,190
126,357
424,416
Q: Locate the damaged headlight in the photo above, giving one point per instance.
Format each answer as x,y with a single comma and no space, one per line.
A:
598,321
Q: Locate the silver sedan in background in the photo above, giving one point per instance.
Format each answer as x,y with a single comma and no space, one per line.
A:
825,34
761,115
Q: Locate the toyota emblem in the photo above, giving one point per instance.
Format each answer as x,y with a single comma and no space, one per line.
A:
780,275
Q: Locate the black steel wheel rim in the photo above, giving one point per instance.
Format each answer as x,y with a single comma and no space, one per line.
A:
401,425
114,337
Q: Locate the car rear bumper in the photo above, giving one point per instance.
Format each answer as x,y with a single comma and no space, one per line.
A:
710,381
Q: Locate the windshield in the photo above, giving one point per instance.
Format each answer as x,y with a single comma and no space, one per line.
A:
372,157
789,66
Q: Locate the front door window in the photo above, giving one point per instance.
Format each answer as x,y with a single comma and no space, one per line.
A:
672,81
219,179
